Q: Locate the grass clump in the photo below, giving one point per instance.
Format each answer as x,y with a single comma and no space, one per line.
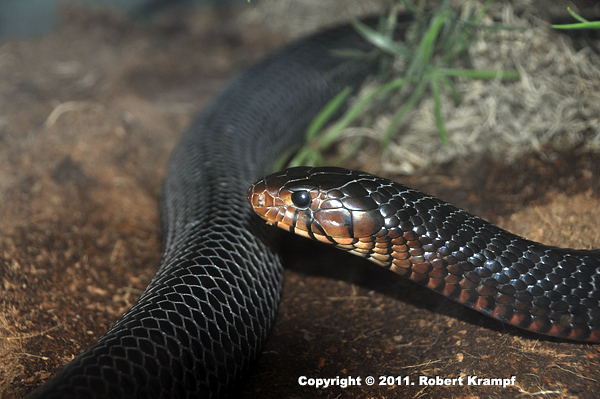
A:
434,51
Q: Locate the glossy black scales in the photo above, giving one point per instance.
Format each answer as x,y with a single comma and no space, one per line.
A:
545,289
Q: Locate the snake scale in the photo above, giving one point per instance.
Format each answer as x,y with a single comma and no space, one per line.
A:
206,314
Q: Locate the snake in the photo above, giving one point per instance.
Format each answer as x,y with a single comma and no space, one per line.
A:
206,314
540,288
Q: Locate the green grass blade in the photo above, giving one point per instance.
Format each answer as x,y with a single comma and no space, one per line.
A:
285,159
307,156
437,110
479,73
481,12
576,16
428,43
326,113
412,9
319,139
448,83
379,40
416,95
422,58
332,134
586,25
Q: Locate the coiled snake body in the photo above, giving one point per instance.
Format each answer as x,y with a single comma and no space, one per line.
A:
206,314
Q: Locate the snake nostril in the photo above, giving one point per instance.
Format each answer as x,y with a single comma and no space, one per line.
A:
260,201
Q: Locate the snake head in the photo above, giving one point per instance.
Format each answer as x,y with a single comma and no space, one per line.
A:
327,204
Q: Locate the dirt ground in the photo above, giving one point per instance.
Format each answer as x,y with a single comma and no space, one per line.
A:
88,117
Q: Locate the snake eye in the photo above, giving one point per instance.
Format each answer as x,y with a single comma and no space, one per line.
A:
301,199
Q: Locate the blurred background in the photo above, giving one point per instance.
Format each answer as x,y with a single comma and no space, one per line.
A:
33,17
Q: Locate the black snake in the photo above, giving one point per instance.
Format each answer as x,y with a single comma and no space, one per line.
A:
544,289
206,314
